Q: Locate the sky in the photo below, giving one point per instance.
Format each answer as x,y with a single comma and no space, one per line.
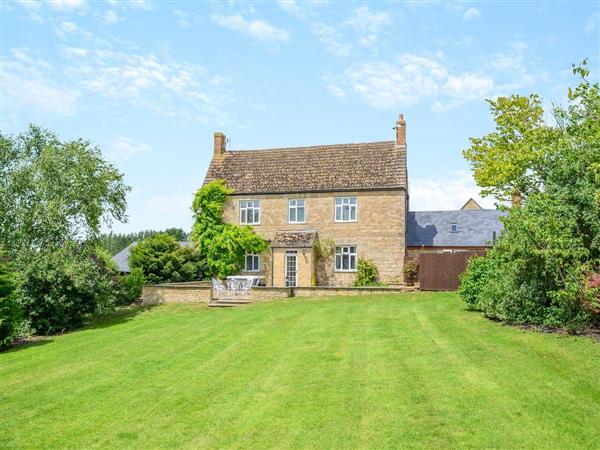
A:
149,82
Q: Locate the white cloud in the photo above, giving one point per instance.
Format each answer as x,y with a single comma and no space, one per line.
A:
31,83
410,79
33,9
255,28
403,82
368,24
67,4
161,85
110,17
332,39
183,18
70,30
446,192
124,148
145,5
591,23
290,7
470,14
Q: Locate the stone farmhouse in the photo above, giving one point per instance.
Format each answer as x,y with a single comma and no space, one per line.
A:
321,208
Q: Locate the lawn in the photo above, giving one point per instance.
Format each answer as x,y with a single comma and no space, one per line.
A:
381,371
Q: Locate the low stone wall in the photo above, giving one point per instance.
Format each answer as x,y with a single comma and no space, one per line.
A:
325,291
201,292
194,292
269,293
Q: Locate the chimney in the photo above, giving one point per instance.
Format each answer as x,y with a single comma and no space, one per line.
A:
219,144
401,131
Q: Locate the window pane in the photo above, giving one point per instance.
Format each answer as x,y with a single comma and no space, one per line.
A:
338,262
353,250
338,213
243,220
300,203
345,262
292,214
248,262
256,215
353,200
345,212
353,213
353,262
300,214
338,201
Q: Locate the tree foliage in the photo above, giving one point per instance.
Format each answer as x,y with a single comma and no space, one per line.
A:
162,260
115,242
54,191
60,287
538,270
10,313
223,245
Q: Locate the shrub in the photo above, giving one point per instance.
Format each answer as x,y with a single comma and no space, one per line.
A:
60,287
472,281
10,313
162,260
411,270
132,286
367,273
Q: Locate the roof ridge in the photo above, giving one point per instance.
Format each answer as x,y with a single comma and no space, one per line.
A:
323,146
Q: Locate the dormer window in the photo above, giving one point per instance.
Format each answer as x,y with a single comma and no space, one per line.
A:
453,228
250,212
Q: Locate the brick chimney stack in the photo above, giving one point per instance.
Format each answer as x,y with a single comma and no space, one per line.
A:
219,144
401,131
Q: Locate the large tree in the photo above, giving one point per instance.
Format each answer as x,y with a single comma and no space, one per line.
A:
538,272
54,191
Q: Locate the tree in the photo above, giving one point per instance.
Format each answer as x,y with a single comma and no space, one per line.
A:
223,245
510,162
162,260
10,313
538,272
53,191
115,242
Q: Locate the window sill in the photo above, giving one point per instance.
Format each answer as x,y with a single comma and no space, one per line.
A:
297,223
345,271
345,221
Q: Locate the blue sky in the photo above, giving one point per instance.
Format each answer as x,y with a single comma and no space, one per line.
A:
150,82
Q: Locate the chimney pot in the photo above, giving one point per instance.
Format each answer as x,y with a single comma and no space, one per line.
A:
401,130
220,141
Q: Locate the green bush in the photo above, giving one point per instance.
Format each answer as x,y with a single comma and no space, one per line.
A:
162,260
473,280
367,273
10,313
132,286
60,287
411,270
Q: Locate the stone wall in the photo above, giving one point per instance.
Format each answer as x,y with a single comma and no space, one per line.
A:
378,233
176,293
201,293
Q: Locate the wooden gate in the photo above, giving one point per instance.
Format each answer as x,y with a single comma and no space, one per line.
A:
441,271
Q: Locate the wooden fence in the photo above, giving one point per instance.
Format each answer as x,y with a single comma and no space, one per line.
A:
441,271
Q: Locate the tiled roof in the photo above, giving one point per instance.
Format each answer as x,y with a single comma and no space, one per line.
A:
432,228
122,258
343,167
294,239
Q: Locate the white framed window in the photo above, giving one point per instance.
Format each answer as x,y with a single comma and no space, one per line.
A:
250,212
453,228
296,211
252,263
345,209
345,258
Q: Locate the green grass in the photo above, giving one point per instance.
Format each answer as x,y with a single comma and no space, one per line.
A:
413,370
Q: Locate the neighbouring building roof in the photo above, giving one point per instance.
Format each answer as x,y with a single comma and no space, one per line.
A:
471,204
294,239
434,228
122,258
342,167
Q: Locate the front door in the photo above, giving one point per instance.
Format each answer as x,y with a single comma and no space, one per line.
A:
291,268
